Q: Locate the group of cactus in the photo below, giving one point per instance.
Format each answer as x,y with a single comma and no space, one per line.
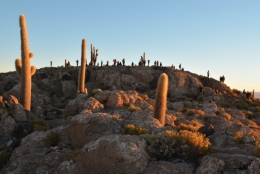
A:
93,55
24,70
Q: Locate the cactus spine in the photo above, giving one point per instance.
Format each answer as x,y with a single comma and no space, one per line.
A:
161,98
24,69
82,70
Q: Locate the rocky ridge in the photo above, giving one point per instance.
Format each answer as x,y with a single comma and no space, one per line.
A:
89,129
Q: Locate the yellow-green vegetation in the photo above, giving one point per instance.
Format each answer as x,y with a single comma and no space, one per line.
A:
5,155
132,108
39,125
145,96
194,126
134,130
239,137
185,144
195,112
226,115
248,114
52,139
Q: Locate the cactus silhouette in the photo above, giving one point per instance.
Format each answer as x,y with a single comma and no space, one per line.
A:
161,98
82,69
24,69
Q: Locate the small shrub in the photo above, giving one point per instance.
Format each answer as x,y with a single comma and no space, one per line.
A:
184,110
218,112
39,125
226,115
145,96
195,112
185,144
242,105
239,137
52,139
134,130
194,126
134,108
248,114
192,95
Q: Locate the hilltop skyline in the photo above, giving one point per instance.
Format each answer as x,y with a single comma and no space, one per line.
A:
222,37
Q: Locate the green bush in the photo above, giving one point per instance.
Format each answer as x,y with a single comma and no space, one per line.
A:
52,139
242,106
134,130
218,112
39,125
192,95
185,144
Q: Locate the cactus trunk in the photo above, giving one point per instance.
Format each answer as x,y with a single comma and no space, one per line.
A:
161,98
81,80
25,91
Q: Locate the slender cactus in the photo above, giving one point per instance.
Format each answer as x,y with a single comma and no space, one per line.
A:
161,98
24,69
82,70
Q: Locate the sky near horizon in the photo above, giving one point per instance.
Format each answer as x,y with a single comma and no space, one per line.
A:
220,36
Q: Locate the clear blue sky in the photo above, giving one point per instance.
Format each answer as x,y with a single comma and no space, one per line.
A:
221,36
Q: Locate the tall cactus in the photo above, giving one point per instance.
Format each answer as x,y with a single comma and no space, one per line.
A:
82,70
161,98
24,69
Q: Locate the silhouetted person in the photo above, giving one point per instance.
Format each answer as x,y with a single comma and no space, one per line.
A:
180,66
51,63
77,62
132,63
101,62
123,61
148,62
160,63
208,73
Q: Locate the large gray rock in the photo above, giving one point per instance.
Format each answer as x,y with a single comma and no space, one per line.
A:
111,154
210,165
82,102
33,155
69,88
165,167
7,126
85,128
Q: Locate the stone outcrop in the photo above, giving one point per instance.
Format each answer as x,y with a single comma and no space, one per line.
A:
110,154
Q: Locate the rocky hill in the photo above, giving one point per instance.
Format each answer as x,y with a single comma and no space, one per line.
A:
112,129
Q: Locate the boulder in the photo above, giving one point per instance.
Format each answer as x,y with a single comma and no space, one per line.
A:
165,167
68,88
113,154
85,128
210,165
7,126
82,102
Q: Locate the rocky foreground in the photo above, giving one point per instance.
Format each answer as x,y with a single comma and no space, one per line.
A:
112,129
